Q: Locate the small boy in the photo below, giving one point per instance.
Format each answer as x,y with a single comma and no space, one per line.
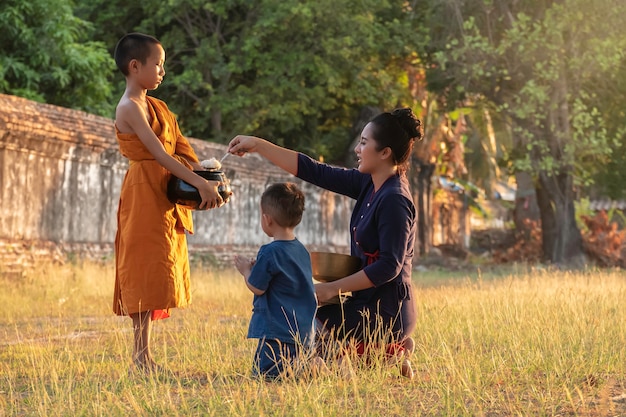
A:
281,281
151,262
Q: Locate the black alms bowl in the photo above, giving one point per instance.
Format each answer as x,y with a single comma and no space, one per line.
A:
186,195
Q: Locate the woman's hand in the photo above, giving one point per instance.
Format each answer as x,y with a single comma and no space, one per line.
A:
325,291
242,144
281,157
355,282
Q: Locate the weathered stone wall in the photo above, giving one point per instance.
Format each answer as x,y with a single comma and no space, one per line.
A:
61,172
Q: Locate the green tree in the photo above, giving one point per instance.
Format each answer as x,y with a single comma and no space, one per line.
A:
296,72
45,56
609,181
539,62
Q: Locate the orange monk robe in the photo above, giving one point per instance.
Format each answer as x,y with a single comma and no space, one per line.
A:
152,265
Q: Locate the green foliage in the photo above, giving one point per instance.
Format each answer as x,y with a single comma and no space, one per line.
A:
583,208
44,56
295,72
541,64
609,180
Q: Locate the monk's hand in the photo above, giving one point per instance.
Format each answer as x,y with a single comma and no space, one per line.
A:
211,198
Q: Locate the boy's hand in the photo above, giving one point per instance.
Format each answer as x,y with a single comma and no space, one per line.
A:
243,265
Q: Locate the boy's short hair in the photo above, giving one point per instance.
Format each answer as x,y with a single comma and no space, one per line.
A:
133,46
284,203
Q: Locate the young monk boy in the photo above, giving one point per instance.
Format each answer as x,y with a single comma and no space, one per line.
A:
152,266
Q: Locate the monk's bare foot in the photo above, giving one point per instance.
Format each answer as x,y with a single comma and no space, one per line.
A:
146,367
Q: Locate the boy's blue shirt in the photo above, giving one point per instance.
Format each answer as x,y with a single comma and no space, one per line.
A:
286,310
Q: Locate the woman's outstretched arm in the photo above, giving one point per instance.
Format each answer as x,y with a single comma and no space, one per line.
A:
284,158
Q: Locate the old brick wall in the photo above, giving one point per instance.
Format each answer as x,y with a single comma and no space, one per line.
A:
60,176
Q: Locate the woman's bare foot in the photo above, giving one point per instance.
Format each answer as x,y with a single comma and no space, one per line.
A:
318,367
345,368
406,370
409,345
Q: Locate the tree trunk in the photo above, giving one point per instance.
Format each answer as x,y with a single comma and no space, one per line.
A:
562,241
216,122
423,203
525,204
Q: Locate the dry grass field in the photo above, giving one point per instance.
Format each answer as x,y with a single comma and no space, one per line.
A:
522,342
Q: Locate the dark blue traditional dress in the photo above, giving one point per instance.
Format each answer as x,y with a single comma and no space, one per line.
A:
382,234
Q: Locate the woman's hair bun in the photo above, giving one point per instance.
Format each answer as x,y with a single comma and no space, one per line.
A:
409,122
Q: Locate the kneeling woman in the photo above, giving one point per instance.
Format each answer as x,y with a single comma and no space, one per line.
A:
382,227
